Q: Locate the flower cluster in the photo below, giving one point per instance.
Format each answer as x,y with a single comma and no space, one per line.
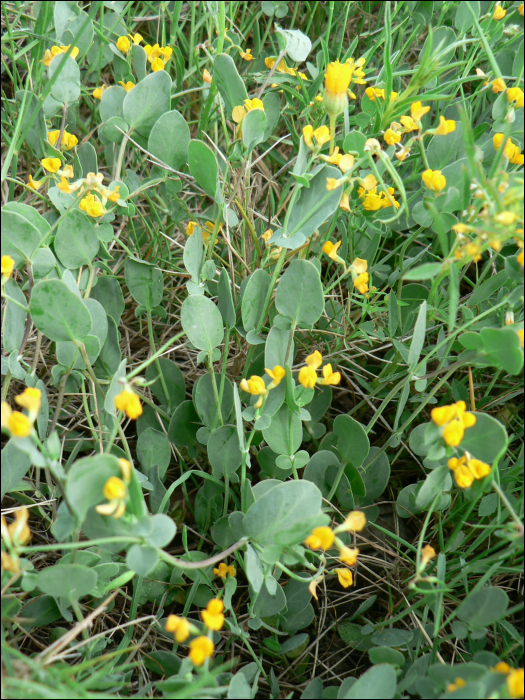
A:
129,402
454,420
372,201
18,424
225,570
207,230
115,492
124,43
269,62
467,469
325,538
337,81
16,534
308,374
256,386
201,647
68,141
49,54
511,150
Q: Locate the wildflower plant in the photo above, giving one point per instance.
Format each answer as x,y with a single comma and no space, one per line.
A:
262,295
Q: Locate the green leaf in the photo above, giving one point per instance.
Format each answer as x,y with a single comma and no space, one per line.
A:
108,292
315,204
253,300
300,293
254,571
202,322
253,129
183,425
76,240
153,447
378,682
145,281
486,439
14,318
379,655
488,288
464,20
142,558
225,300
203,166
352,440
66,89
173,378
147,102
285,433
418,339
433,484
280,510
169,139
15,465
20,237
112,104
59,313
223,451
229,82
375,475
502,346
38,132
164,530
204,399
424,272
193,255
484,607
69,581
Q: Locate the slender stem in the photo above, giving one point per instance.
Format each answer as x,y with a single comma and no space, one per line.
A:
37,353
332,134
60,400
337,481
157,363
507,505
215,390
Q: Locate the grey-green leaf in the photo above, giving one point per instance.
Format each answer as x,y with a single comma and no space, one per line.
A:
59,313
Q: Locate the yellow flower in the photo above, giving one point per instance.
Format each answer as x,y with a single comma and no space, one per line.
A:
125,469
446,126
346,163
361,283
516,95
372,93
392,137
501,667
345,577
51,164
49,55
321,538
499,13
97,92
314,360
434,180
507,218
454,420
67,171
247,55
123,44
307,377
137,39
115,492
498,85
19,532
213,616
30,399
344,204
348,555
337,81
520,9
128,402
331,250
355,522
267,235
179,626
8,265
332,183
417,111
201,648
14,422
521,332
157,64
224,571
68,142
254,385
515,683
63,186
359,266
458,683
9,564
34,184
408,123
165,52
92,206
277,374
330,377
520,257
372,146
206,76
269,62
372,201
113,195
241,111
127,86
321,135
369,182
427,553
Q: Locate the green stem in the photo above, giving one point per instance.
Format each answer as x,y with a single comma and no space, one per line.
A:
157,363
215,390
